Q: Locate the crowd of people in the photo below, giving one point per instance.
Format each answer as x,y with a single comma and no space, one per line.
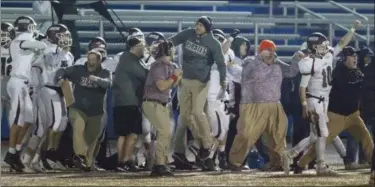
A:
226,98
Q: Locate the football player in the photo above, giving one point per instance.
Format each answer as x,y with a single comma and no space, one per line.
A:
215,106
316,71
23,50
50,107
7,35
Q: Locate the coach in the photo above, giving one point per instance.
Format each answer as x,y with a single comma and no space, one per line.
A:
200,51
128,86
91,82
343,107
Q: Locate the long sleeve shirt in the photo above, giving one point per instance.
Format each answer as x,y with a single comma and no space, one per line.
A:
88,94
260,82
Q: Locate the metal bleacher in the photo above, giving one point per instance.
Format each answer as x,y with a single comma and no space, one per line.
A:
286,22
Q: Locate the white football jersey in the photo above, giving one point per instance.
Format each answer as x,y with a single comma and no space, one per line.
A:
320,70
214,85
54,59
21,58
109,63
6,62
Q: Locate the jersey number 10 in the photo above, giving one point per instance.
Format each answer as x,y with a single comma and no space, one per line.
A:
6,67
327,76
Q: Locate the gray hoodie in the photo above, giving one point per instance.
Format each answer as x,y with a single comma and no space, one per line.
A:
199,54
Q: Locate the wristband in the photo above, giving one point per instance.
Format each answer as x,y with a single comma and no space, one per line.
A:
352,29
304,103
174,77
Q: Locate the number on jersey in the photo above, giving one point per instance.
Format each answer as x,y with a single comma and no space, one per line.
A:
6,67
327,76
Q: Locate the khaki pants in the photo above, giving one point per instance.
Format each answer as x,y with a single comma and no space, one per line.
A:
86,132
256,119
193,96
338,123
158,115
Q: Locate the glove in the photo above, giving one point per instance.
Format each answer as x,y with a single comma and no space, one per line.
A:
235,33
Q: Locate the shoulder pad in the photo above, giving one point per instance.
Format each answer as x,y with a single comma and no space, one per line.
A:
305,65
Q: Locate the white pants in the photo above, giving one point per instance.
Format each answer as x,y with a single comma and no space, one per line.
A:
21,107
320,128
51,111
218,119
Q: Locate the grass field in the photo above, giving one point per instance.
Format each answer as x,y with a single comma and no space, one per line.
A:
197,178
250,178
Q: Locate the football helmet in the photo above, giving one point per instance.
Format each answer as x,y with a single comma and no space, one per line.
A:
7,33
153,37
317,44
25,24
59,34
135,33
219,35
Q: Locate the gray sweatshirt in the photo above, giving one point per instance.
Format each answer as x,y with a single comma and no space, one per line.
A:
199,54
89,95
129,81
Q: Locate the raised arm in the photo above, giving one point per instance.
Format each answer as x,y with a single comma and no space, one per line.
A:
344,41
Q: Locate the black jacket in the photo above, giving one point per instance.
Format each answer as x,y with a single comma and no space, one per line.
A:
346,90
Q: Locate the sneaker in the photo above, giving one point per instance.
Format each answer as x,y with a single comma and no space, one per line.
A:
209,165
120,167
37,167
96,167
130,166
27,169
286,162
204,153
223,160
160,171
181,162
298,169
80,161
325,171
11,160
19,161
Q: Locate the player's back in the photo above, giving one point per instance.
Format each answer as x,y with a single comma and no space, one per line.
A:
21,58
320,70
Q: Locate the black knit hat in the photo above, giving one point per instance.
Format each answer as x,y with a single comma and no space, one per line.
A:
206,22
133,42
